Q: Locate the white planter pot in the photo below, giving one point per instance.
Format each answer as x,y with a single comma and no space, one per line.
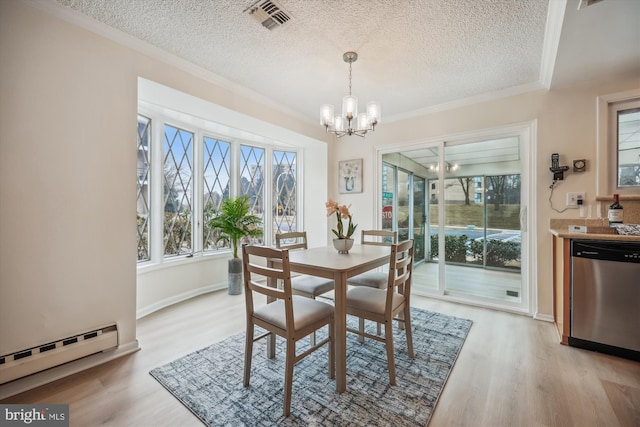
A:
343,245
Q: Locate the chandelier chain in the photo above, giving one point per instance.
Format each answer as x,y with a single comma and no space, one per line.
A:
350,63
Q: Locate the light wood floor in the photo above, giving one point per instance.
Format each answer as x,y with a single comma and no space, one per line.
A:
511,372
470,281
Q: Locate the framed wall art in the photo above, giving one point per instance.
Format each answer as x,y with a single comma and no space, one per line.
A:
350,176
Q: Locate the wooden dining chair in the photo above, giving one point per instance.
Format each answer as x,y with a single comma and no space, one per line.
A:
373,279
386,305
305,285
292,317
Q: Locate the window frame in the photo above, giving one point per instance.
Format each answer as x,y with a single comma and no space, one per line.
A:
192,197
606,143
146,193
200,228
632,105
160,116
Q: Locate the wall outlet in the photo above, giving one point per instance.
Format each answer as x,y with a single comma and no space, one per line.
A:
577,229
576,199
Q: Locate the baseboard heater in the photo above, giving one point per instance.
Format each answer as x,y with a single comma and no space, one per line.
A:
29,361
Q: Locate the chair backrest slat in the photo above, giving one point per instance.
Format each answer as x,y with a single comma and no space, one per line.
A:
266,290
255,261
400,270
283,240
379,237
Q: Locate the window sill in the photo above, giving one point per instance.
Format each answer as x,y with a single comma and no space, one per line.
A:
150,266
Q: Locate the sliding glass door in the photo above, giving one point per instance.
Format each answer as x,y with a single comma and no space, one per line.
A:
403,206
418,219
462,203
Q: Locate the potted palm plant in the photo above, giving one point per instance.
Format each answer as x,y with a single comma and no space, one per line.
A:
235,222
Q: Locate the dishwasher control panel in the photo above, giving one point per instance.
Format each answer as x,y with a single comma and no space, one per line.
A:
606,250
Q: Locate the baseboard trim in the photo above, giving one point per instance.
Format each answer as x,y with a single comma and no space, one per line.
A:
543,317
167,302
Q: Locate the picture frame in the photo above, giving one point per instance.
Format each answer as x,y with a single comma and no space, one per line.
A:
350,176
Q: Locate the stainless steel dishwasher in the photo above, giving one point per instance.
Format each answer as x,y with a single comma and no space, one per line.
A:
605,297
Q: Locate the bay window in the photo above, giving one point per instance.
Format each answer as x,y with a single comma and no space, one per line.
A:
184,174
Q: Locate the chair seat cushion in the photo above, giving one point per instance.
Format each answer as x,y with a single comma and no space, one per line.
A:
311,285
306,311
371,300
373,279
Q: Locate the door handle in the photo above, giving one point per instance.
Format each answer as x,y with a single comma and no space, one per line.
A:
523,218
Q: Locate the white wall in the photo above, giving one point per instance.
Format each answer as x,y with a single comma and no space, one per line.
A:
66,221
566,124
67,161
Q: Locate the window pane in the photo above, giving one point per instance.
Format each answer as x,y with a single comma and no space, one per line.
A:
216,187
142,196
388,191
177,192
503,241
402,218
629,148
419,217
252,182
284,192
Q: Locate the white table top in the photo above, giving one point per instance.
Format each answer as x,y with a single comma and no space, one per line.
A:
327,257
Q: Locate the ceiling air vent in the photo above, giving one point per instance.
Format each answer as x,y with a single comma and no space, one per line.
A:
585,3
269,13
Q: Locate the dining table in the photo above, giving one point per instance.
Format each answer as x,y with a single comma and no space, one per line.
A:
325,261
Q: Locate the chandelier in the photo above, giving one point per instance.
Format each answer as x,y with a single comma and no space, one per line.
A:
350,122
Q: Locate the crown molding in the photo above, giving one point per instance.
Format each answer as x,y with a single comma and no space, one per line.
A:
472,100
553,29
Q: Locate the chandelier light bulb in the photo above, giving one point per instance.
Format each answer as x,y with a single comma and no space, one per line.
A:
373,113
363,122
350,122
349,107
326,115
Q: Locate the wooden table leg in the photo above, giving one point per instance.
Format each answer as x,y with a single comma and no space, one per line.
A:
340,280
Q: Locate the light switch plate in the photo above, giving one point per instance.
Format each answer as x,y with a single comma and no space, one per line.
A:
572,199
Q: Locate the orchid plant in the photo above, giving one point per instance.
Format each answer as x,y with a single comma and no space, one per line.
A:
341,212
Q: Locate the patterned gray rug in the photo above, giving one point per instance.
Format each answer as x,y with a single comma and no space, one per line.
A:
209,381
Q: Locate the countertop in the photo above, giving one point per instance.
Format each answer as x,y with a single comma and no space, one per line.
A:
560,228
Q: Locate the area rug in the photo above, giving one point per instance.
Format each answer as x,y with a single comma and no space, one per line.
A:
209,381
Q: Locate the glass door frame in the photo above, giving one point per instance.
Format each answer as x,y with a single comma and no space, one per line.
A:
411,205
526,132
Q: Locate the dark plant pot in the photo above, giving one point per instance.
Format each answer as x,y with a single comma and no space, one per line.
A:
235,276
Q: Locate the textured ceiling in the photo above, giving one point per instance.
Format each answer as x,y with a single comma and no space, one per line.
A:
413,54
